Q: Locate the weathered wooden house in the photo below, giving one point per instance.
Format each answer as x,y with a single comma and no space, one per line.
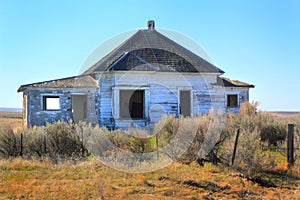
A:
146,76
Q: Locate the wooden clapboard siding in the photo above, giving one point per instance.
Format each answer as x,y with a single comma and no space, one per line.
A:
161,94
243,95
106,82
131,79
166,98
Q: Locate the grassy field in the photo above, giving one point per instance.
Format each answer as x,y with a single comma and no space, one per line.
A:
13,119
289,116
89,179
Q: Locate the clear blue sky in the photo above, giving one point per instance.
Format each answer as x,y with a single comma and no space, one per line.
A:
253,41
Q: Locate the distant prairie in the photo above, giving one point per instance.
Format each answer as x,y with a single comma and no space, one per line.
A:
3,109
284,115
11,118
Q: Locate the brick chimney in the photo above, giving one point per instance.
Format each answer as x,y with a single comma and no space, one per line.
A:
151,25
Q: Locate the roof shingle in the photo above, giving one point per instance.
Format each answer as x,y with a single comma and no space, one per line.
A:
233,83
153,48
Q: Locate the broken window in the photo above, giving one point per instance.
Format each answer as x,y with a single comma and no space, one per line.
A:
232,100
132,104
51,103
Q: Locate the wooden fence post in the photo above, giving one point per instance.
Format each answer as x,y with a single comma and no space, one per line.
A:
212,157
82,145
290,145
156,141
21,145
45,144
235,146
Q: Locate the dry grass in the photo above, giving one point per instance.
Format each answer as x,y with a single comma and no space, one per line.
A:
24,179
92,180
284,116
12,119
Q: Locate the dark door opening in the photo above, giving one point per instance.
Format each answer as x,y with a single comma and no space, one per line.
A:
185,103
132,104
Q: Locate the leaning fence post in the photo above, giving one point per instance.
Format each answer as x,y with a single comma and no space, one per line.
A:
290,145
235,146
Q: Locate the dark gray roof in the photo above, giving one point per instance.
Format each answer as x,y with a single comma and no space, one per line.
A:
84,81
150,50
152,60
233,83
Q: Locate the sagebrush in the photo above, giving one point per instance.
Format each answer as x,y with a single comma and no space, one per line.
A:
70,141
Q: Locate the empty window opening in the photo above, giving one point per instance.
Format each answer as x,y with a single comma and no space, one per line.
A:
232,100
132,104
51,103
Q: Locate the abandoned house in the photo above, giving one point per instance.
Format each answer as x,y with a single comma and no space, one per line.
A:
148,75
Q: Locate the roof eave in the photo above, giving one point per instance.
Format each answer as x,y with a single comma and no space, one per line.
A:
240,86
22,88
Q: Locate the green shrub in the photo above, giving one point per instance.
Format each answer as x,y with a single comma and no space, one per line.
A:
142,145
273,134
10,143
256,130
56,141
35,142
166,129
63,141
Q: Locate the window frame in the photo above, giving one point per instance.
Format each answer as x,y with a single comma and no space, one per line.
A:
129,116
237,101
116,101
44,101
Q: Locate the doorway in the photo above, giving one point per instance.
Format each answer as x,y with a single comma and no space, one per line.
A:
185,103
79,108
